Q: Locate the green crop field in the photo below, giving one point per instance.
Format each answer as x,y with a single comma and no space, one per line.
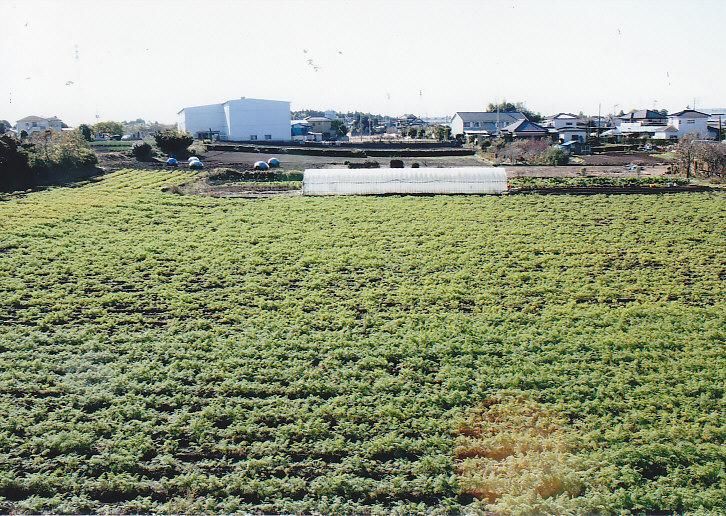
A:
521,353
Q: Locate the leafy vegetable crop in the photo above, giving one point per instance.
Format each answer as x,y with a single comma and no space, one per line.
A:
193,354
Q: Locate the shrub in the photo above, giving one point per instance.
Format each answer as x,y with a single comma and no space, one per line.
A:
197,149
173,142
14,167
553,156
365,164
142,151
396,163
415,165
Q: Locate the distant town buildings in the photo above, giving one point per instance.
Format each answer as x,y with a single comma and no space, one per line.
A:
657,124
242,119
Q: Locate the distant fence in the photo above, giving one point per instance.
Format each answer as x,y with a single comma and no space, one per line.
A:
340,152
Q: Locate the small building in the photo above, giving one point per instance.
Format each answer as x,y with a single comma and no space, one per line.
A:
300,131
240,119
299,127
32,124
525,129
566,134
576,148
666,133
482,122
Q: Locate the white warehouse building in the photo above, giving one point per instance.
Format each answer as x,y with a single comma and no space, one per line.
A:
238,120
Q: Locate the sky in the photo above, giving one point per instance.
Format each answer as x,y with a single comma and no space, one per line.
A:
120,60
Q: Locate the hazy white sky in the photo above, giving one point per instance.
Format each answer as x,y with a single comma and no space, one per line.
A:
147,59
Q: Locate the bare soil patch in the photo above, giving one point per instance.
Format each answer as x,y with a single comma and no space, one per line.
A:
625,158
583,170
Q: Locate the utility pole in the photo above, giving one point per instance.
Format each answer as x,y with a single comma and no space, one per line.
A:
598,125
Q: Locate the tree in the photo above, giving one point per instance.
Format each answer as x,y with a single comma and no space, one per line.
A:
109,127
440,132
508,107
412,132
338,128
86,132
14,169
685,153
713,156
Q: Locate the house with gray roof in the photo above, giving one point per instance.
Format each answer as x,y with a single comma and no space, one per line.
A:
525,129
484,123
561,120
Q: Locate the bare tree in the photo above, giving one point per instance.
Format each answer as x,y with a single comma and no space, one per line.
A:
685,153
713,156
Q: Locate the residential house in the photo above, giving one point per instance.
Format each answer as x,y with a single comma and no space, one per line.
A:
321,125
485,123
525,129
410,120
240,119
642,121
561,120
32,124
565,127
689,121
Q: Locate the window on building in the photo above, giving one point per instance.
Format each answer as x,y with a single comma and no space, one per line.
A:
568,123
268,137
35,124
253,137
690,121
467,124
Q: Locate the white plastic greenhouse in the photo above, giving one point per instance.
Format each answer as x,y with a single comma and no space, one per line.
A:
376,181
